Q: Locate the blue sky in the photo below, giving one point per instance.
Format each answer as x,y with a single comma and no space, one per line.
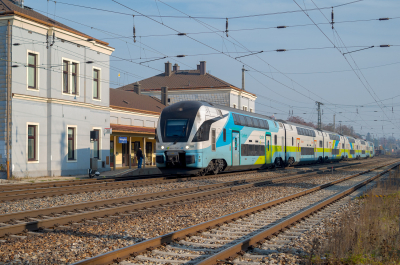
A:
283,81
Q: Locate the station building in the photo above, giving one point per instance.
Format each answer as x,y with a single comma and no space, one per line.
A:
195,85
133,119
54,93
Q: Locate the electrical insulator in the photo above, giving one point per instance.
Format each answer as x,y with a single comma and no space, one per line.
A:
332,17
226,30
134,29
47,40
54,39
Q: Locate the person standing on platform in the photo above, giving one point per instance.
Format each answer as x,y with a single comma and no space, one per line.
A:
139,155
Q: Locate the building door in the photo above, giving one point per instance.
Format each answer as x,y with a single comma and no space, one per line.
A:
112,158
125,155
268,149
149,152
235,149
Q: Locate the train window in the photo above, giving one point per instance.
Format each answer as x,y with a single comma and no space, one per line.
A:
250,141
292,141
266,125
213,140
276,139
244,151
268,145
224,132
249,121
342,146
236,119
320,143
242,120
251,150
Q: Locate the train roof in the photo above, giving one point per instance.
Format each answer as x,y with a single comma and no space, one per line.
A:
209,104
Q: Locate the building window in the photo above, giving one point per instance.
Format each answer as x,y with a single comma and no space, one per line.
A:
96,146
251,110
234,106
96,85
32,71
65,76
213,140
32,143
244,108
71,143
74,77
70,80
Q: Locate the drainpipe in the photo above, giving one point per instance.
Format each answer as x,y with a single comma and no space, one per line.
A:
8,110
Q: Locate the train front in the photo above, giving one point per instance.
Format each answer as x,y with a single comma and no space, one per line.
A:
175,153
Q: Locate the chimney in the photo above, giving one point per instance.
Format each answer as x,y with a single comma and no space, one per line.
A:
202,67
164,95
19,3
198,67
137,89
168,69
176,67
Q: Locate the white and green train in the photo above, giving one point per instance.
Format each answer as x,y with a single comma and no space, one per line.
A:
201,137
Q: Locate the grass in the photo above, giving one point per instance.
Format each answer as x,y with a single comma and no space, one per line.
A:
370,235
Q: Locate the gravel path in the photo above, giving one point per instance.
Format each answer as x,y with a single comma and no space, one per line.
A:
67,245
47,202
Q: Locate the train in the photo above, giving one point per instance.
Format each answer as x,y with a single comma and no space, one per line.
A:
197,137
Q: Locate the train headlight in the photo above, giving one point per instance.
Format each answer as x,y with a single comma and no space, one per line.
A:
162,147
187,147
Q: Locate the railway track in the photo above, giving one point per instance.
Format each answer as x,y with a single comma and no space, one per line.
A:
222,239
19,222
23,192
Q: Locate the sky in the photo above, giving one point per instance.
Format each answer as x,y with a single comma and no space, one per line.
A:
337,67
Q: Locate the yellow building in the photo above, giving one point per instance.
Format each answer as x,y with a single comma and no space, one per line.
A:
133,120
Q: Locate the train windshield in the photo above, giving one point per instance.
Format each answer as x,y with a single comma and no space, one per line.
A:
176,128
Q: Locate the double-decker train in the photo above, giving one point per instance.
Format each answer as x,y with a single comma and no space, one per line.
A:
195,137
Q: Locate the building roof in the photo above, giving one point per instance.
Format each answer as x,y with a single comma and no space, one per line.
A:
120,99
7,7
132,129
182,79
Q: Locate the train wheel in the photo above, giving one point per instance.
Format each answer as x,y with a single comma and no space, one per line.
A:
201,172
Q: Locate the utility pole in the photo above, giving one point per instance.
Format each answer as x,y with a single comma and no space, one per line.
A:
334,125
319,114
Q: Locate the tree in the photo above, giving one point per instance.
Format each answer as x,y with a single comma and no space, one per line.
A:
300,120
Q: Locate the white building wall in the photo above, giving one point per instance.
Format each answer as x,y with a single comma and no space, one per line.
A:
52,110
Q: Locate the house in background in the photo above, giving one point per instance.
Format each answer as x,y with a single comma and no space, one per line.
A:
133,119
54,92
195,85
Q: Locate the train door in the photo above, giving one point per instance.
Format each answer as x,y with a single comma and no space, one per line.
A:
315,150
330,148
268,149
235,148
298,150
